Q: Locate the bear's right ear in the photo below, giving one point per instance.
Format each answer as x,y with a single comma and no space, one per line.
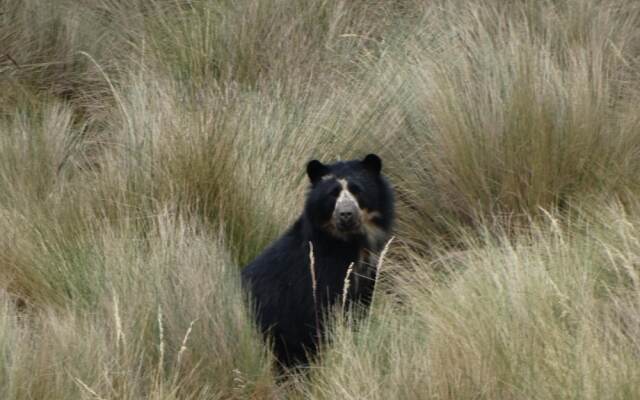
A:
316,170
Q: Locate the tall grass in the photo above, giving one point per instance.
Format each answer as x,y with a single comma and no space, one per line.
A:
543,316
148,150
512,108
168,315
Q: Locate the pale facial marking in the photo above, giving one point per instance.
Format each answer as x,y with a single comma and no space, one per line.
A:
345,195
345,201
327,177
374,234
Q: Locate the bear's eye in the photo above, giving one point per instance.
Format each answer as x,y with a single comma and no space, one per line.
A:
355,189
336,191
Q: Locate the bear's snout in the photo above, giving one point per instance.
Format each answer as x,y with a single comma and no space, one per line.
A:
347,216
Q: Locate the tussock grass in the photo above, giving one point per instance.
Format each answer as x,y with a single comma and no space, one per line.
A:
251,43
168,314
41,52
150,149
512,108
538,317
38,144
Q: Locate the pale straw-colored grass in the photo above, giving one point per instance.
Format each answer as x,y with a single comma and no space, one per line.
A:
150,149
314,288
346,284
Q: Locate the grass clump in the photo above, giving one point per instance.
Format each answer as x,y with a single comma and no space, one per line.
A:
538,317
166,317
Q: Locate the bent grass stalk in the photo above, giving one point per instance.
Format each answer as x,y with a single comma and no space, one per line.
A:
183,346
379,267
345,287
88,389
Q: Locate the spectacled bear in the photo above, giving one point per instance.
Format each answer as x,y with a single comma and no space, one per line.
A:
347,218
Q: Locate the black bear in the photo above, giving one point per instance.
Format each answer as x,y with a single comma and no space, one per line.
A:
346,221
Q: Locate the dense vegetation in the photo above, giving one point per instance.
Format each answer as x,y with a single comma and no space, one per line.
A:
149,149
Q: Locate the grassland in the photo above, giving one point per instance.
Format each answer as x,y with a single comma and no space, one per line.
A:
149,149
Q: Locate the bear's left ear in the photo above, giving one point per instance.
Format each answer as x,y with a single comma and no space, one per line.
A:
372,163
316,170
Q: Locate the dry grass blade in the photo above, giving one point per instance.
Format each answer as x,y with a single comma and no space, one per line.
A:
120,338
383,253
161,341
312,271
345,287
88,389
183,346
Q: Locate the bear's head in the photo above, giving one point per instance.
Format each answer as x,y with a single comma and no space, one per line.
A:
350,199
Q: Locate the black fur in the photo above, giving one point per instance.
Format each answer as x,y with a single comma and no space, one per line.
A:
279,279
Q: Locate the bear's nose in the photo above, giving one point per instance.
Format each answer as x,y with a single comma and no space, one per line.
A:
346,215
347,220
